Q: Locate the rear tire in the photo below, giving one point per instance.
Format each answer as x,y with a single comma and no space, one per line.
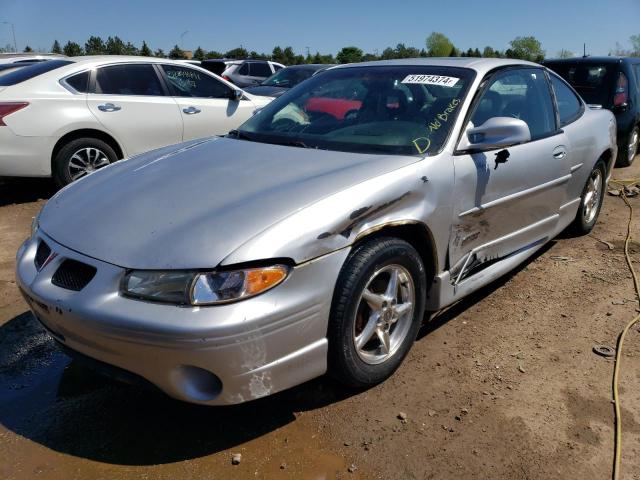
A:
372,329
80,157
629,149
590,201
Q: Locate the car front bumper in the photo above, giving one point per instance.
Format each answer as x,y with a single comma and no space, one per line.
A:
214,355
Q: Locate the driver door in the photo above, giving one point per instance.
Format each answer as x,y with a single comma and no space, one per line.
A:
509,199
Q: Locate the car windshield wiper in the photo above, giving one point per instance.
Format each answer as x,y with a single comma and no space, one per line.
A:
241,135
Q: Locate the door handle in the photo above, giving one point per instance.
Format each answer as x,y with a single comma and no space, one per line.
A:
109,107
559,152
191,110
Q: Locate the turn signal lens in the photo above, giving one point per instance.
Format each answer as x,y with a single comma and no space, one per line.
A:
263,279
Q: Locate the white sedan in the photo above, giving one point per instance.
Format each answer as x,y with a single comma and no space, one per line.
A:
68,117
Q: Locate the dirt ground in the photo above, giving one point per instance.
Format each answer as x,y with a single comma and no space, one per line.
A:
503,385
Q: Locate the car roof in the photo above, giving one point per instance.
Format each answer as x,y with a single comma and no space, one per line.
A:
122,58
480,65
235,60
310,66
33,55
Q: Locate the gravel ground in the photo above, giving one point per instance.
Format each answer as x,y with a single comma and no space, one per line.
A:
503,385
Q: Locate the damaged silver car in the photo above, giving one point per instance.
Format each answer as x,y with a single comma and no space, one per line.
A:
314,238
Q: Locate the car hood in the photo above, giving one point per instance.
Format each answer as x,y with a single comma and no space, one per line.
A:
266,91
191,205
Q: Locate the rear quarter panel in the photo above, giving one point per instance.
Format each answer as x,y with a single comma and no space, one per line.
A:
591,137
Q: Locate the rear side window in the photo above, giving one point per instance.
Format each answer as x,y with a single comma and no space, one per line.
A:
244,69
31,71
188,82
277,67
569,106
79,82
260,70
131,79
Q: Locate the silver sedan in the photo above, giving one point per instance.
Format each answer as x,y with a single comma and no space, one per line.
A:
315,237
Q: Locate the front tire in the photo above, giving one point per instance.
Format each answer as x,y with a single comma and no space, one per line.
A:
590,200
80,157
377,309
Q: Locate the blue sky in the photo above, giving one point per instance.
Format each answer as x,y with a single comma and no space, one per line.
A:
325,25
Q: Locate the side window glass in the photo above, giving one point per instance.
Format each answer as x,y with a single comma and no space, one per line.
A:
244,69
569,107
637,72
130,79
277,67
260,70
188,82
522,94
79,82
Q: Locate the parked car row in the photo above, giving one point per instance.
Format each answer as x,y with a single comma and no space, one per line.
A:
310,239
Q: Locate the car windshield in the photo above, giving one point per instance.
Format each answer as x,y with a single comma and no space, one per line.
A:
288,77
30,71
402,110
593,81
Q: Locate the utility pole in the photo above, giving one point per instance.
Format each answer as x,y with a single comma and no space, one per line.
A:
182,38
308,54
13,31
584,50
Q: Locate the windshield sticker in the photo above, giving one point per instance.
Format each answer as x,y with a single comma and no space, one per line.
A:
422,144
431,80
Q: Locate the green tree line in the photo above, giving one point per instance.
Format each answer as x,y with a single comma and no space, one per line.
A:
436,45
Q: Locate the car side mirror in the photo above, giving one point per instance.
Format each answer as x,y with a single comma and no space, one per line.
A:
236,95
497,132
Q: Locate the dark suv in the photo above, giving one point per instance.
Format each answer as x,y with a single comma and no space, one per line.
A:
613,83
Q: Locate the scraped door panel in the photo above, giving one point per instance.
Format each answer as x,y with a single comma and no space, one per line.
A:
509,199
500,210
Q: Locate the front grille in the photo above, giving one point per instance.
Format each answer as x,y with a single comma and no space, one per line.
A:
73,275
42,253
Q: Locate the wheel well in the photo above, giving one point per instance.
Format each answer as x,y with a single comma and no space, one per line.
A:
417,235
86,133
608,160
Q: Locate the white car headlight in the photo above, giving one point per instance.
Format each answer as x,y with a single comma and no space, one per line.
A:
202,288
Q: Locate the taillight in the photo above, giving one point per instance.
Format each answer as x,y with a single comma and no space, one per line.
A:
622,91
226,78
7,108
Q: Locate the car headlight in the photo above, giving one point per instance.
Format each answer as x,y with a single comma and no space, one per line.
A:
202,288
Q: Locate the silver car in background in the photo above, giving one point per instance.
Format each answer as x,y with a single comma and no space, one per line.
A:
315,236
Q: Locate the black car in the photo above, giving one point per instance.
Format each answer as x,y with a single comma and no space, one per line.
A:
283,80
613,83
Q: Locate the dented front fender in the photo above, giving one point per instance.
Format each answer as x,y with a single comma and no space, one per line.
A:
417,193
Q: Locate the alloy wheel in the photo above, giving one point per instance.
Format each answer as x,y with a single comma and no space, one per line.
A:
384,314
85,161
592,196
